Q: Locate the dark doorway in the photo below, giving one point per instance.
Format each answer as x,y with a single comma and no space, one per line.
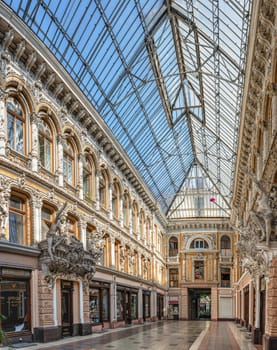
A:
66,308
199,304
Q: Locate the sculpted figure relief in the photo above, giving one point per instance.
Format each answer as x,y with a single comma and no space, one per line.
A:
253,258
264,216
4,212
63,255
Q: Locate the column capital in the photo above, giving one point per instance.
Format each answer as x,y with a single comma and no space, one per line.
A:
35,118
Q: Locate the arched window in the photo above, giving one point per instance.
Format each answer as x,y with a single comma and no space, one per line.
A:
87,178
115,200
199,244
225,242
17,219
126,209
16,125
68,163
225,246
45,139
173,246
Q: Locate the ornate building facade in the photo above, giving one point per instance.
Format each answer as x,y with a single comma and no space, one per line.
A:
83,244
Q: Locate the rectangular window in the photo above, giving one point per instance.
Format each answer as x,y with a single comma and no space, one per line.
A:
225,277
199,270
173,278
16,220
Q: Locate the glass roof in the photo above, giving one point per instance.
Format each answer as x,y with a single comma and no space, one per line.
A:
165,76
198,197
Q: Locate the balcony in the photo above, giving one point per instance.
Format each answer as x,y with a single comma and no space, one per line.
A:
225,256
172,259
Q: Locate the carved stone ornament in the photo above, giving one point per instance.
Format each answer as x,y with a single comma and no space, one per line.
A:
264,217
63,255
96,244
253,257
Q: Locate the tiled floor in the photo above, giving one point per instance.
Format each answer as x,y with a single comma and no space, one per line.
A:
164,335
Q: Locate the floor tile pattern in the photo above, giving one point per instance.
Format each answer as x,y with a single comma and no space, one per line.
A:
164,335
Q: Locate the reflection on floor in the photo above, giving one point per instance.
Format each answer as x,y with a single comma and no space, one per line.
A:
164,335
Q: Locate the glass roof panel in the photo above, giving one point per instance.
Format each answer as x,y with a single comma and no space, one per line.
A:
165,76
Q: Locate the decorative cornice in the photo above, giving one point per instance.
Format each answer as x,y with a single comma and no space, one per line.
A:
260,48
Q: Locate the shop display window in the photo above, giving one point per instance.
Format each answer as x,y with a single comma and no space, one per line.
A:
134,306
14,295
120,305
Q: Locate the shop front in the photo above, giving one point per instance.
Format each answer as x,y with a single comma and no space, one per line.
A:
126,304
15,302
99,304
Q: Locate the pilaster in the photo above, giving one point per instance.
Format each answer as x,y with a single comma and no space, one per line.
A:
3,122
35,118
60,160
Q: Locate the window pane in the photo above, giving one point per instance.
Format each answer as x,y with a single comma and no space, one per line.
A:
94,302
41,149
15,228
48,155
19,136
70,172
14,305
106,304
11,131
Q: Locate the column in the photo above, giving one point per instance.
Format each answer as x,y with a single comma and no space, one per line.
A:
130,219
241,307
153,311
4,207
137,226
257,331
271,307
97,174
121,211
112,252
110,199
60,160
83,232
139,264
3,123
183,278
274,107
113,296
214,304
36,205
140,305
80,182
265,142
251,305
35,118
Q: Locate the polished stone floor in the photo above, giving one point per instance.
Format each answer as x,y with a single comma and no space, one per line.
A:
163,335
